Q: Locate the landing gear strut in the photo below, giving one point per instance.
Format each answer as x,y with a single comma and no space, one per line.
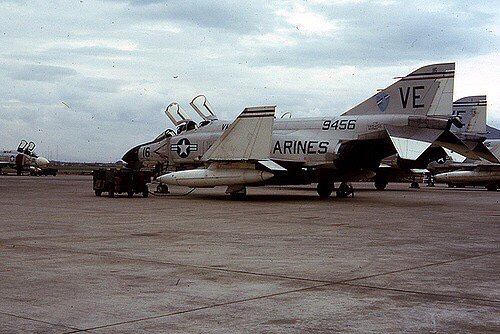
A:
345,190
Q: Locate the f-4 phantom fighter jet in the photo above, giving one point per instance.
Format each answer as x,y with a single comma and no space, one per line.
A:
464,172
23,159
472,113
412,118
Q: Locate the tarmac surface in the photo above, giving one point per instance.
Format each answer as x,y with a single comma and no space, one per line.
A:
282,261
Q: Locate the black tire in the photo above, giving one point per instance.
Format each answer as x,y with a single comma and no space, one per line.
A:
98,193
345,189
380,184
162,189
492,187
325,189
130,193
111,192
237,196
145,191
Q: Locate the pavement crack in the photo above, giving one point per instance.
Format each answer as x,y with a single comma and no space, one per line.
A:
244,272
441,295
201,308
234,271
41,321
416,267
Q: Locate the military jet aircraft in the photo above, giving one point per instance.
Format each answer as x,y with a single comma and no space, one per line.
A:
461,172
23,159
411,117
472,111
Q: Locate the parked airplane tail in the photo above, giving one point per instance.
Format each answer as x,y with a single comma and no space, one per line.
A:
426,91
472,111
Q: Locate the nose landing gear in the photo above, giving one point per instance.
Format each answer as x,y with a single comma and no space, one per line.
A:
162,189
325,189
345,190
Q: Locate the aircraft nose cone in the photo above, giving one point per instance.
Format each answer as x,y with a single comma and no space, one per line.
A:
42,162
132,155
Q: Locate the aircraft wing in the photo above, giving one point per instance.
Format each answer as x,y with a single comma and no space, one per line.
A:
482,151
411,142
231,160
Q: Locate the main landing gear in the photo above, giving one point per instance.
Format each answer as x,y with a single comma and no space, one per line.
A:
380,182
325,189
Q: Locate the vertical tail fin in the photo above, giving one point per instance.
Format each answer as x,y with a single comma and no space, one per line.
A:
426,91
472,110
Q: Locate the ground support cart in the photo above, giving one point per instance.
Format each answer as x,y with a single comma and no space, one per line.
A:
117,181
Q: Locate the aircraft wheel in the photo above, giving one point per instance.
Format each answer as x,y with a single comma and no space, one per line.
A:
345,190
492,187
325,189
380,184
450,185
162,188
239,195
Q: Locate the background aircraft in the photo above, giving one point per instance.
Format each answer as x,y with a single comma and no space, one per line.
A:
412,118
472,111
23,159
460,171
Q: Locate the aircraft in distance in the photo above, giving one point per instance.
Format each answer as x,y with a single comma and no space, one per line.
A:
472,174
461,172
411,117
23,159
472,111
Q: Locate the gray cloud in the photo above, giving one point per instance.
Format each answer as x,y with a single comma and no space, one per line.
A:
118,64
42,73
243,17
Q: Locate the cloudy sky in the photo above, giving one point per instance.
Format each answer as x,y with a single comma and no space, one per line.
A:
86,80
